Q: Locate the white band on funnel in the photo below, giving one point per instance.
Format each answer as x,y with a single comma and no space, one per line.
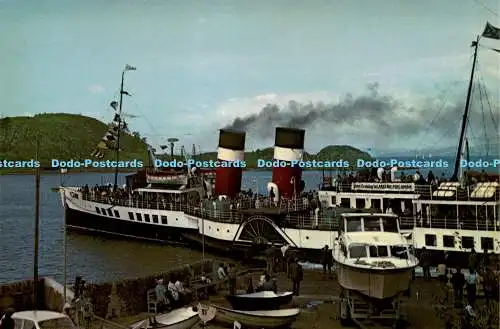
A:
230,155
285,154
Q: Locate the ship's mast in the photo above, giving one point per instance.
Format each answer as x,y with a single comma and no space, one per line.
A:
454,177
122,92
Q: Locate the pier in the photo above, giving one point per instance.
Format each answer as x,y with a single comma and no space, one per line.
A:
117,305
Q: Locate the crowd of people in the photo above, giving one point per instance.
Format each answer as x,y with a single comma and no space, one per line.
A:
483,272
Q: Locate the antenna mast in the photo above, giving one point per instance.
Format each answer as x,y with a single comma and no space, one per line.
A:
172,142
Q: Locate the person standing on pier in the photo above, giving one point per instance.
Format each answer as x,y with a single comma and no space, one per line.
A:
297,275
425,262
458,282
472,287
231,275
161,295
327,260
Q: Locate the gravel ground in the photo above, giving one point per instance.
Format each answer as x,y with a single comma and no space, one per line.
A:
324,290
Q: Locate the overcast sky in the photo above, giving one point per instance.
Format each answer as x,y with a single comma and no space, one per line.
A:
382,69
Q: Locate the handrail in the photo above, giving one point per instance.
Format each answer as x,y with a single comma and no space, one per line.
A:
304,218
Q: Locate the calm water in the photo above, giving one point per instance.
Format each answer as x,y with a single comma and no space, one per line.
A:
97,259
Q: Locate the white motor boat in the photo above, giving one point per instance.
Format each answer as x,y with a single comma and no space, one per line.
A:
267,319
181,318
372,256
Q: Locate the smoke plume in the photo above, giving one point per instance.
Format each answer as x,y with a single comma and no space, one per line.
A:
373,116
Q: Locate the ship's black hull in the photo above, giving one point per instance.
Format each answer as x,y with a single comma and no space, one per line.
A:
247,251
106,226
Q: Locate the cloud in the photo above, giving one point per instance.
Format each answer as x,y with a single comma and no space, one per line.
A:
371,119
95,89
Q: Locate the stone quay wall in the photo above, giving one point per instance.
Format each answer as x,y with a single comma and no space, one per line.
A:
119,298
19,295
129,297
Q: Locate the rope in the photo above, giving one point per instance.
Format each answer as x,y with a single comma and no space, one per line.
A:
484,120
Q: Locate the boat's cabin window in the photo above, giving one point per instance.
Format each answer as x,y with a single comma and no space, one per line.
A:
390,224
357,251
399,252
372,224
353,225
379,251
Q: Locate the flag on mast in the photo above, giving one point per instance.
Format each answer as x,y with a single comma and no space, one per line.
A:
491,32
109,139
130,68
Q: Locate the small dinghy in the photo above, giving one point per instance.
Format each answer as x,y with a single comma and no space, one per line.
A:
181,318
267,319
263,300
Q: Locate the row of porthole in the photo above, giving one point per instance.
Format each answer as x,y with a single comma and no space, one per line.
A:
210,227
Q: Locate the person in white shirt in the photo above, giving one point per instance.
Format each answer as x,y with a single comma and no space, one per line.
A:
221,274
179,286
173,290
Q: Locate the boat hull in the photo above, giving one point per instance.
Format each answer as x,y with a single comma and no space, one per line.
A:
172,320
228,317
100,225
247,250
372,283
258,303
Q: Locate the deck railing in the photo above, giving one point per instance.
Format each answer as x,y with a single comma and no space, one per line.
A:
296,214
425,191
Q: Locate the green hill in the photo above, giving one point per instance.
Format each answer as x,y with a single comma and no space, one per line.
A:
328,153
60,136
70,136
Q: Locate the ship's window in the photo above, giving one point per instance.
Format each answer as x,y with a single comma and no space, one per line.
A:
110,213
354,225
448,241
146,218
164,220
334,200
131,216
468,242
430,240
372,224
390,224
399,251
360,203
103,211
376,204
357,251
97,210
379,251
155,219
487,243
138,216
345,203
117,214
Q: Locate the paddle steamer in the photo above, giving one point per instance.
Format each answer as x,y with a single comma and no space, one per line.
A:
189,205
